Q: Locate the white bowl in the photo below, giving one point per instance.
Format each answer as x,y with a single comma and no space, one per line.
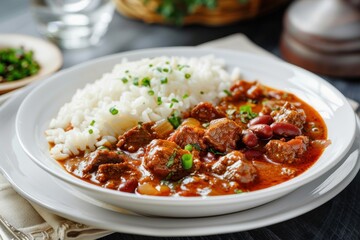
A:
47,54
45,100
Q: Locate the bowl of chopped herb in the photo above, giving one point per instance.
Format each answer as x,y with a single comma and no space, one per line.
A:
24,59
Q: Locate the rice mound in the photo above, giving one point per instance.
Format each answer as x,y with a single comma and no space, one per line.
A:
137,91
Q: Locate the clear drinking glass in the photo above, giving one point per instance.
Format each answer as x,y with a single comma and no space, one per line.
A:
73,23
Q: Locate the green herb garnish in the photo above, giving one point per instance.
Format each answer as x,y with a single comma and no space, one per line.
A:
227,92
216,152
91,131
164,80
145,82
136,81
165,70
16,63
187,75
124,80
246,113
196,146
159,101
171,160
151,92
92,123
238,191
185,96
175,119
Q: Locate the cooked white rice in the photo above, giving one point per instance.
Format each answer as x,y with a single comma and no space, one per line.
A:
175,83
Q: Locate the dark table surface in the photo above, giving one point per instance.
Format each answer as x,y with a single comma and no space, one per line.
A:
339,218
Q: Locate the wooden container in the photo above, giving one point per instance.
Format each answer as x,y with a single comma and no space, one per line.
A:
226,12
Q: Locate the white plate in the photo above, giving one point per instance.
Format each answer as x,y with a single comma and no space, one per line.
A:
35,184
47,54
43,103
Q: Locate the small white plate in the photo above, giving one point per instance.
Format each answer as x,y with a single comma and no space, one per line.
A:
43,103
46,53
38,186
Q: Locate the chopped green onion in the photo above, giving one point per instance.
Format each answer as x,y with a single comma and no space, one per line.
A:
124,80
171,105
167,62
91,131
136,81
227,92
145,82
139,125
185,96
159,101
171,160
188,147
165,69
238,191
175,119
92,123
127,71
187,75
150,65
164,80
174,100
113,111
187,161
201,92
151,92
119,152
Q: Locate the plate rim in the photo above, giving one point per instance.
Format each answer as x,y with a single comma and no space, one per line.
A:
196,231
188,200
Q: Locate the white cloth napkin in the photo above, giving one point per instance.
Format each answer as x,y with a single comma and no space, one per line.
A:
40,224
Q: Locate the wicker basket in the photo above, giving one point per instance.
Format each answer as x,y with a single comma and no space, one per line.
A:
227,11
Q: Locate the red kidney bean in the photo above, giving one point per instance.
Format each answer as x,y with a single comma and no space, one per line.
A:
253,154
249,138
264,119
262,131
285,129
129,186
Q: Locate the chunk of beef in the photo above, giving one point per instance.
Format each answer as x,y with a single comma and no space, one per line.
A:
287,152
205,112
136,138
163,159
243,90
99,157
114,171
288,113
188,135
234,167
270,106
222,134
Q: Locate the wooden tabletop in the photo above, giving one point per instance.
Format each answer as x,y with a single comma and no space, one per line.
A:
339,218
